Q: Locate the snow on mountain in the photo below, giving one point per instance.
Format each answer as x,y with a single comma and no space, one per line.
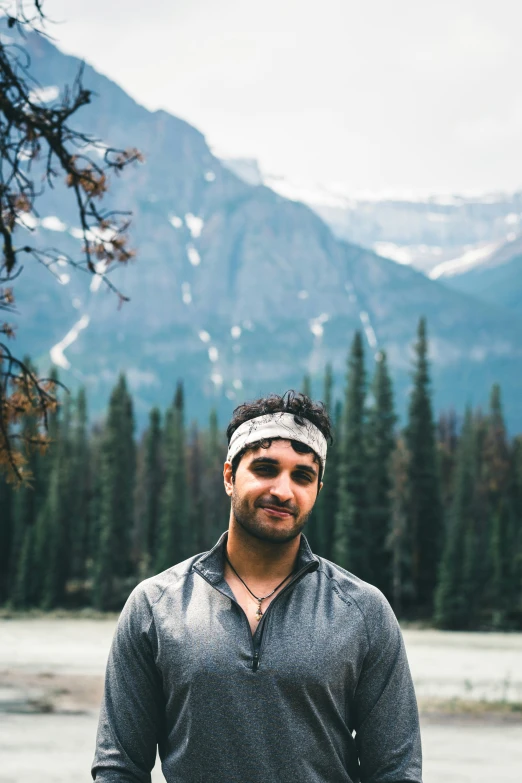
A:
472,257
57,351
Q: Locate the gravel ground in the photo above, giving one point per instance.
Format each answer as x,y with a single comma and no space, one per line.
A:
60,748
51,673
448,664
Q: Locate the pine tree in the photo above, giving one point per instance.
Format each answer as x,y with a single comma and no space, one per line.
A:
80,489
516,510
321,523
6,535
56,557
497,479
351,525
307,385
39,546
26,506
328,389
216,501
313,525
46,463
153,479
476,561
330,492
186,533
113,563
176,539
502,551
198,521
425,512
25,500
451,606
398,540
447,442
96,448
380,444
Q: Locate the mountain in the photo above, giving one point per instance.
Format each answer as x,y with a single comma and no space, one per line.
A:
236,289
471,243
441,235
497,279
426,233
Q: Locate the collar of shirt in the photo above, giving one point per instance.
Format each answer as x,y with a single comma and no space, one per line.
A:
211,564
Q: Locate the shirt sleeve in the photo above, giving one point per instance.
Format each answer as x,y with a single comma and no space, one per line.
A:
386,715
132,710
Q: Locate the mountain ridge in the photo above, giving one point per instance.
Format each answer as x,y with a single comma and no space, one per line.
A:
443,235
236,289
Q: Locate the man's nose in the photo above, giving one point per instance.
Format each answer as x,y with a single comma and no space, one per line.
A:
282,488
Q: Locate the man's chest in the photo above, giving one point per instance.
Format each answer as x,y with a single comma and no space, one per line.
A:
251,611
304,640
253,605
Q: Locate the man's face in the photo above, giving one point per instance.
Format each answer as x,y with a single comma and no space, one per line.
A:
274,491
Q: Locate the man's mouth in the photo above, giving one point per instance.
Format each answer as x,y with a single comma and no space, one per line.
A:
277,511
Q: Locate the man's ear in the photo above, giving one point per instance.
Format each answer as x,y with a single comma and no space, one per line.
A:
227,478
320,487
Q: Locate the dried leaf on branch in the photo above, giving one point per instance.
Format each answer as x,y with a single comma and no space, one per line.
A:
40,147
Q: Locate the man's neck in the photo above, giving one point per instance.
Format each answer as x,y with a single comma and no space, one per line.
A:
260,561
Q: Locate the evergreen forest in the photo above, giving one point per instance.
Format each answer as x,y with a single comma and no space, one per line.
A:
430,513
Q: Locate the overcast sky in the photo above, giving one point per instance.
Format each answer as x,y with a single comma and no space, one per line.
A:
421,95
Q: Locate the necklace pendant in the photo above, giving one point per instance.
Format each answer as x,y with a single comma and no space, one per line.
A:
259,613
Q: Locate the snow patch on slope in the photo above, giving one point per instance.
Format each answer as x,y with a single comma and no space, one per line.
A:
399,253
57,351
98,277
194,224
317,324
368,329
193,255
472,257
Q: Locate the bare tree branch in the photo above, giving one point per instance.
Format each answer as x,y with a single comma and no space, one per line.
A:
38,144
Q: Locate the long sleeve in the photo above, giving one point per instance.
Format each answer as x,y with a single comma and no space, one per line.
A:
132,710
386,714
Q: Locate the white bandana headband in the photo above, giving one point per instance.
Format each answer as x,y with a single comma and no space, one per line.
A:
278,425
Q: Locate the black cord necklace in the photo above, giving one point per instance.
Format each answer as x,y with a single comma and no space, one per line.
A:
259,613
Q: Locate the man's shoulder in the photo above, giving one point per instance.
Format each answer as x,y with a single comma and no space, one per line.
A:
354,590
149,591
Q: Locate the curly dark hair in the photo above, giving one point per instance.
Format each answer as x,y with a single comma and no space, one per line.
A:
290,402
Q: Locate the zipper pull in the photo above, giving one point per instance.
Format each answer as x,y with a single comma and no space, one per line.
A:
255,662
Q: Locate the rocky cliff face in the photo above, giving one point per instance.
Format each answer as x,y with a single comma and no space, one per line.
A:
450,238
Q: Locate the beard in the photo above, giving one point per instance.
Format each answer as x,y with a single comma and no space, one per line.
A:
250,519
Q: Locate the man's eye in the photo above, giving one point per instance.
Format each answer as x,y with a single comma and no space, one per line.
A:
304,477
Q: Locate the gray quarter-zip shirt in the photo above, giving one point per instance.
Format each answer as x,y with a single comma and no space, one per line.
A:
321,693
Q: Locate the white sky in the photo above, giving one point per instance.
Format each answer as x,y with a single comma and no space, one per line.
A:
421,95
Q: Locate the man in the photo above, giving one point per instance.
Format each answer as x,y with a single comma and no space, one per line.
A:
260,662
